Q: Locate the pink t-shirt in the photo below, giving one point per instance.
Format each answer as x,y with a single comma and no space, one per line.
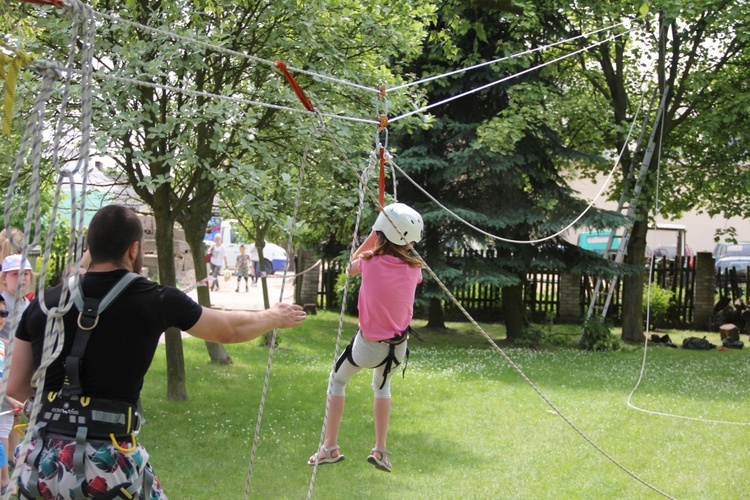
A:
386,296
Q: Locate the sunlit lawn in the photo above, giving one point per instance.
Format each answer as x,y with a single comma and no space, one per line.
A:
464,423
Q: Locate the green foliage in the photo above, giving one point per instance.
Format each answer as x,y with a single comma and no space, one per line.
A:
656,302
352,292
533,337
597,336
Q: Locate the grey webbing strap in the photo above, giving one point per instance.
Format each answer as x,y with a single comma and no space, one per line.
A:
108,417
33,458
78,459
88,317
113,293
131,492
149,482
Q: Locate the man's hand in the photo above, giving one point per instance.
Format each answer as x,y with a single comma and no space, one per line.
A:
289,315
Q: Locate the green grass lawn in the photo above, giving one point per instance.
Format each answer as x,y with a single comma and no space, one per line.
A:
464,423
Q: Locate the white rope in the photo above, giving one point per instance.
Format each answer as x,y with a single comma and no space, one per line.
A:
501,59
217,48
520,372
567,420
353,247
642,372
453,214
209,95
113,18
272,346
598,195
504,79
83,23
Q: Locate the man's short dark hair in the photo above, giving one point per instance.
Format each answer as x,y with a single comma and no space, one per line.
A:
111,231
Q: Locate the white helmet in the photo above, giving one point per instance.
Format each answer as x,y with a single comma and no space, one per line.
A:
407,221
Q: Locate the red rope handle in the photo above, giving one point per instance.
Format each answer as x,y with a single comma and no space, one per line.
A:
381,184
295,86
56,3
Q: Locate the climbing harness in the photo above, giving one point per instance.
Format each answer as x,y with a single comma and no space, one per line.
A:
69,415
390,359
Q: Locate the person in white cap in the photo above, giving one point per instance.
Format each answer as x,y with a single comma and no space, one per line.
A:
15,303
9,279
390,275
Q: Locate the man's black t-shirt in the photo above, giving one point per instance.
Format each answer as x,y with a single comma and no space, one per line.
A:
122,345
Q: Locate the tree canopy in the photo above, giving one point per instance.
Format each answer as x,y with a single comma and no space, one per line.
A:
179,85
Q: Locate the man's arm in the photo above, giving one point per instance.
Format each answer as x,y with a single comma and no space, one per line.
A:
231,327
21,371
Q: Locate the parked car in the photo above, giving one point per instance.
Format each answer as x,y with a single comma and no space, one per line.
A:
727,249
740,263
669,252
275,258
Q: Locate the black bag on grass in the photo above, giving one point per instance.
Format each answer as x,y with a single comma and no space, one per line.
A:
697,344
732,343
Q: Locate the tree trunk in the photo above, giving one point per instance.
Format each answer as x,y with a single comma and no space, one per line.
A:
269,339
632,286
436,314
176,390
513,311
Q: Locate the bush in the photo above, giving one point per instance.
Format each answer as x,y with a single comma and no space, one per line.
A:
352,294
533,337
597,336
657,300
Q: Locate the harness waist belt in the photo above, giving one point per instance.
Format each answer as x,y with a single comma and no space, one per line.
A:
399,339
102,417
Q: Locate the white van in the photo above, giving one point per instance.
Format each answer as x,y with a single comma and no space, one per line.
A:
274,256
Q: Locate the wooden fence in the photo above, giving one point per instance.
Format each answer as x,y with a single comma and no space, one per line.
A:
541,294
731,285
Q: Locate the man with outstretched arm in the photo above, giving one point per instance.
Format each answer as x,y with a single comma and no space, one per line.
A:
83,443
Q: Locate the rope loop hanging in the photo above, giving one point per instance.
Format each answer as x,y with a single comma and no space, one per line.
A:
82,32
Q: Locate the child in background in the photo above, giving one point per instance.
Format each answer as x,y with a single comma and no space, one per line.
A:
390,275
9,278
242,268
7,419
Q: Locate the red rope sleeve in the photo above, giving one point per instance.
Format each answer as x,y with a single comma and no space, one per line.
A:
56,3
281,65
381,185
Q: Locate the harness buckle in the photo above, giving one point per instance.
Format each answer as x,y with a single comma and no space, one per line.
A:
80,325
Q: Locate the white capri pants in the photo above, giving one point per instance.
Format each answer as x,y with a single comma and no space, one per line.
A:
366,354
6,425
